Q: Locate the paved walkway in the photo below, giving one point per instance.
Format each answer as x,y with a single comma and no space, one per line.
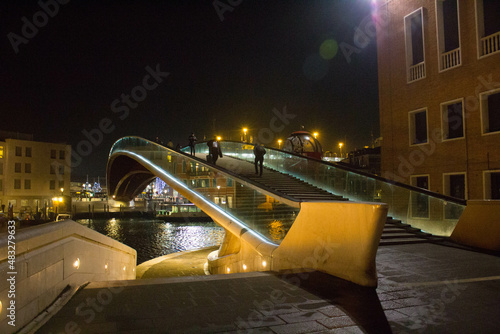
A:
190,263
423,288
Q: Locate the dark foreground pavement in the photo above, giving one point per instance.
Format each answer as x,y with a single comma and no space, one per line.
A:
423,288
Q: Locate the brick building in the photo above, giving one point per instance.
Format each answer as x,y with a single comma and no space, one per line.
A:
439,90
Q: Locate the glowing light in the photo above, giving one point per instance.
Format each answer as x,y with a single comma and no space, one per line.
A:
315,135
114,196
76,264
62,189
244,267
279,143
124,267
341,144
60,199
0,306
328,49
264,263
219,138
245,130
106,266
228,270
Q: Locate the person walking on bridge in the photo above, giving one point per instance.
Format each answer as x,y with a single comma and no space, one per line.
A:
192,142
214,150
259,151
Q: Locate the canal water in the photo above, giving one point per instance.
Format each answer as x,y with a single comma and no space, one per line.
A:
152,238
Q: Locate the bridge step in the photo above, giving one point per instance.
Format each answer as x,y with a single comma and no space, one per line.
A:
397,233
292,186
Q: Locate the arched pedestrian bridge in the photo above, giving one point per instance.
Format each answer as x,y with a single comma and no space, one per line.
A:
302,213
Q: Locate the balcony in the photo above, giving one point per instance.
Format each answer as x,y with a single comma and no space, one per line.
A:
450,59
490,44
416,72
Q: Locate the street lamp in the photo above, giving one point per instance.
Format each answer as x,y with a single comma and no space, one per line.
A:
62,190
315,135
279,144
340,147
219,138
245,134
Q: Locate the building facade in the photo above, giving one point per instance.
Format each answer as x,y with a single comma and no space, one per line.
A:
439,90
32,173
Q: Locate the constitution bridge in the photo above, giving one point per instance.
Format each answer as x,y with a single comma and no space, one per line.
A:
302,213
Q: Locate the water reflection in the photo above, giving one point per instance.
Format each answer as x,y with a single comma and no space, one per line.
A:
277,230
153,238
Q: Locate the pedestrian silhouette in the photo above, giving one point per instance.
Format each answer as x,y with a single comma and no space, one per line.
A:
214,151
192,142
259,151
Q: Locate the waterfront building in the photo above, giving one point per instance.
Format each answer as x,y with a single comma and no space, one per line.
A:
439,90
33,173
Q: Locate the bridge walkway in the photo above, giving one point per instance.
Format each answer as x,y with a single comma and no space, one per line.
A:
280,183
395,232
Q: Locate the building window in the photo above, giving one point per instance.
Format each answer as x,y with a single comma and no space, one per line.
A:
454,185
61,169
17,167
19,151
1,168
27,168
61,154
414,39
61,184
1,152
448,34
229,182
53,154
1,185
27,184
452,117
490,111
491,184
488,26
418,127
52,169
28,152
419,202
52,184
17,184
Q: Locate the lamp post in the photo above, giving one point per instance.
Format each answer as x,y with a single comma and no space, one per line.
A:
279,144
245,134
315,135
340,147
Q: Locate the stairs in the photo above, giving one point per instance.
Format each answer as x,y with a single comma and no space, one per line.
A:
292,187
397,233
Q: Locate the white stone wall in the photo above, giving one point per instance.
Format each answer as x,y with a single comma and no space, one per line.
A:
45,262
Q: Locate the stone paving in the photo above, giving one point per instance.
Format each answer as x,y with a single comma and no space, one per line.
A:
423,288
190,263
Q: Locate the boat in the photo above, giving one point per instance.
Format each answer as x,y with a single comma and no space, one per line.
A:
181,212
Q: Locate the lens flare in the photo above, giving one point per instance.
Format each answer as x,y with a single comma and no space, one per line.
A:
328,49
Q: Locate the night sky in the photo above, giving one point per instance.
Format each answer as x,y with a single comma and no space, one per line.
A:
227,68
